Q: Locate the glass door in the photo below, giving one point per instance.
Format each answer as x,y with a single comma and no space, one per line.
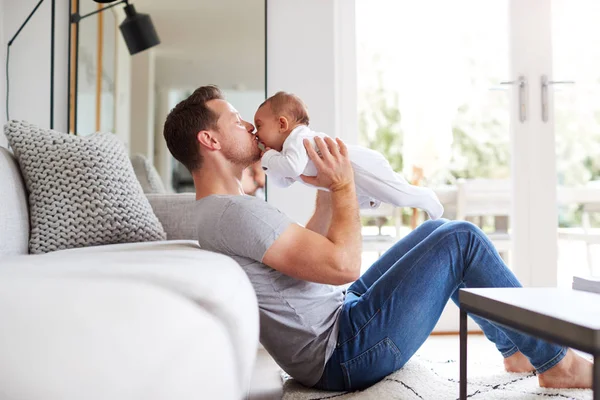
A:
431,99
456,93
574,89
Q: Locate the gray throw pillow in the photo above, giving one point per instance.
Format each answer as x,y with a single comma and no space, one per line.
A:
82,190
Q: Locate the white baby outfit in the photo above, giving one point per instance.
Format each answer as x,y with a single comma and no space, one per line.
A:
375,180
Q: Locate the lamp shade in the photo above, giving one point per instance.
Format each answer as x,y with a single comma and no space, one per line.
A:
138,31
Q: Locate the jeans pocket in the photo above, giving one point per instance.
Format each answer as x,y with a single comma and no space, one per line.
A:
372,365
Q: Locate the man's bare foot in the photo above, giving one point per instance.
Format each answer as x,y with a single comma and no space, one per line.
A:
573,371
518,363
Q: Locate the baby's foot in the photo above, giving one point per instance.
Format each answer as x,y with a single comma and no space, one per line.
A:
436,211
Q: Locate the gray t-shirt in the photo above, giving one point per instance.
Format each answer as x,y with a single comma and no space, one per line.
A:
298,319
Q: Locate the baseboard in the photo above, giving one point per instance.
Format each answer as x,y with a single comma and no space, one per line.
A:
453,333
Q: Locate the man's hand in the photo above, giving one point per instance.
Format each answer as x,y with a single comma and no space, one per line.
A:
334,170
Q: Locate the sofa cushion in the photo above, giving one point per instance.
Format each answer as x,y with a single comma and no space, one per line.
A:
213,281
147,175
14,217
82,190
176,213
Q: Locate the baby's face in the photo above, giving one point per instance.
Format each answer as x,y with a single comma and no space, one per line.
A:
267,127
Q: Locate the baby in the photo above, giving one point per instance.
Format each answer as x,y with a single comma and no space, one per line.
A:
282,125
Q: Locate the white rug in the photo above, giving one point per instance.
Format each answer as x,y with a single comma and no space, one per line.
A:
433,374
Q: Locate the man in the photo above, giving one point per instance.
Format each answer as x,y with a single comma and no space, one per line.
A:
321,334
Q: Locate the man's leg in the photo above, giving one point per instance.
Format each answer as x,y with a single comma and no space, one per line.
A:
396,252
383,328
504,345
392,255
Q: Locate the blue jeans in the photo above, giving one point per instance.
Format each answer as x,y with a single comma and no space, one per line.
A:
390,311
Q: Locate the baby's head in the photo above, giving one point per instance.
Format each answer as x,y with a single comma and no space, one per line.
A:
277,117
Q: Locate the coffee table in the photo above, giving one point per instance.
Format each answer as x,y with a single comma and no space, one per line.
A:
563,316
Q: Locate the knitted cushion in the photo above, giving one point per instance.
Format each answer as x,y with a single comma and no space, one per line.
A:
82,190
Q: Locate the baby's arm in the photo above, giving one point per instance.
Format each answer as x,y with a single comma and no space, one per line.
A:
289,163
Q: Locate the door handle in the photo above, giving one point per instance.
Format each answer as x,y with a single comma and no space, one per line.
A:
522,86
544,82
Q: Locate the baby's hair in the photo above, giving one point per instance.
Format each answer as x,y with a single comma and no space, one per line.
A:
290,105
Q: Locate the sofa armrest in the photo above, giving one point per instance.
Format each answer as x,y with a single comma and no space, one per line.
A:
94,339
175,213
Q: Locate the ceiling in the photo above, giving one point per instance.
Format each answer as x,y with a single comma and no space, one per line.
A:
208,41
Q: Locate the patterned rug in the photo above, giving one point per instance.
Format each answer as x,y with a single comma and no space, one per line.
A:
433,374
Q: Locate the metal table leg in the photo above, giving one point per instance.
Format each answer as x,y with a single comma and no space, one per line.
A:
463,355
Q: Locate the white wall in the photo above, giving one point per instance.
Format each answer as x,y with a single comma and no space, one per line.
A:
142,104
192,53
321,70
29,67
246,102
3,142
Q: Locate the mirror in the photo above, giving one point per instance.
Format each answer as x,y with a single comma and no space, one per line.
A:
221,42
94,103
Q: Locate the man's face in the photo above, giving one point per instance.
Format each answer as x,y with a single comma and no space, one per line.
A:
236,136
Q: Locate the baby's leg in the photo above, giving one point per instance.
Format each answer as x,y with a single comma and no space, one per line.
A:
385,185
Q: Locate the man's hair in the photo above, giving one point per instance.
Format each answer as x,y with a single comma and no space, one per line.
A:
289,105
184,122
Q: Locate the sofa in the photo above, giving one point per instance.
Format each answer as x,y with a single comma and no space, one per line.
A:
152,320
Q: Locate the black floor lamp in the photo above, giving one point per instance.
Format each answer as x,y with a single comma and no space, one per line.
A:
137,30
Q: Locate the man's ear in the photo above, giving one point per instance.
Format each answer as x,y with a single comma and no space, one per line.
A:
206,139
283,124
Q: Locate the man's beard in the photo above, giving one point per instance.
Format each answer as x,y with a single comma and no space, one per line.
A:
241,157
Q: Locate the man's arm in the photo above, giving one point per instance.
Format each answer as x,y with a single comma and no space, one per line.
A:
321,218
334,258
